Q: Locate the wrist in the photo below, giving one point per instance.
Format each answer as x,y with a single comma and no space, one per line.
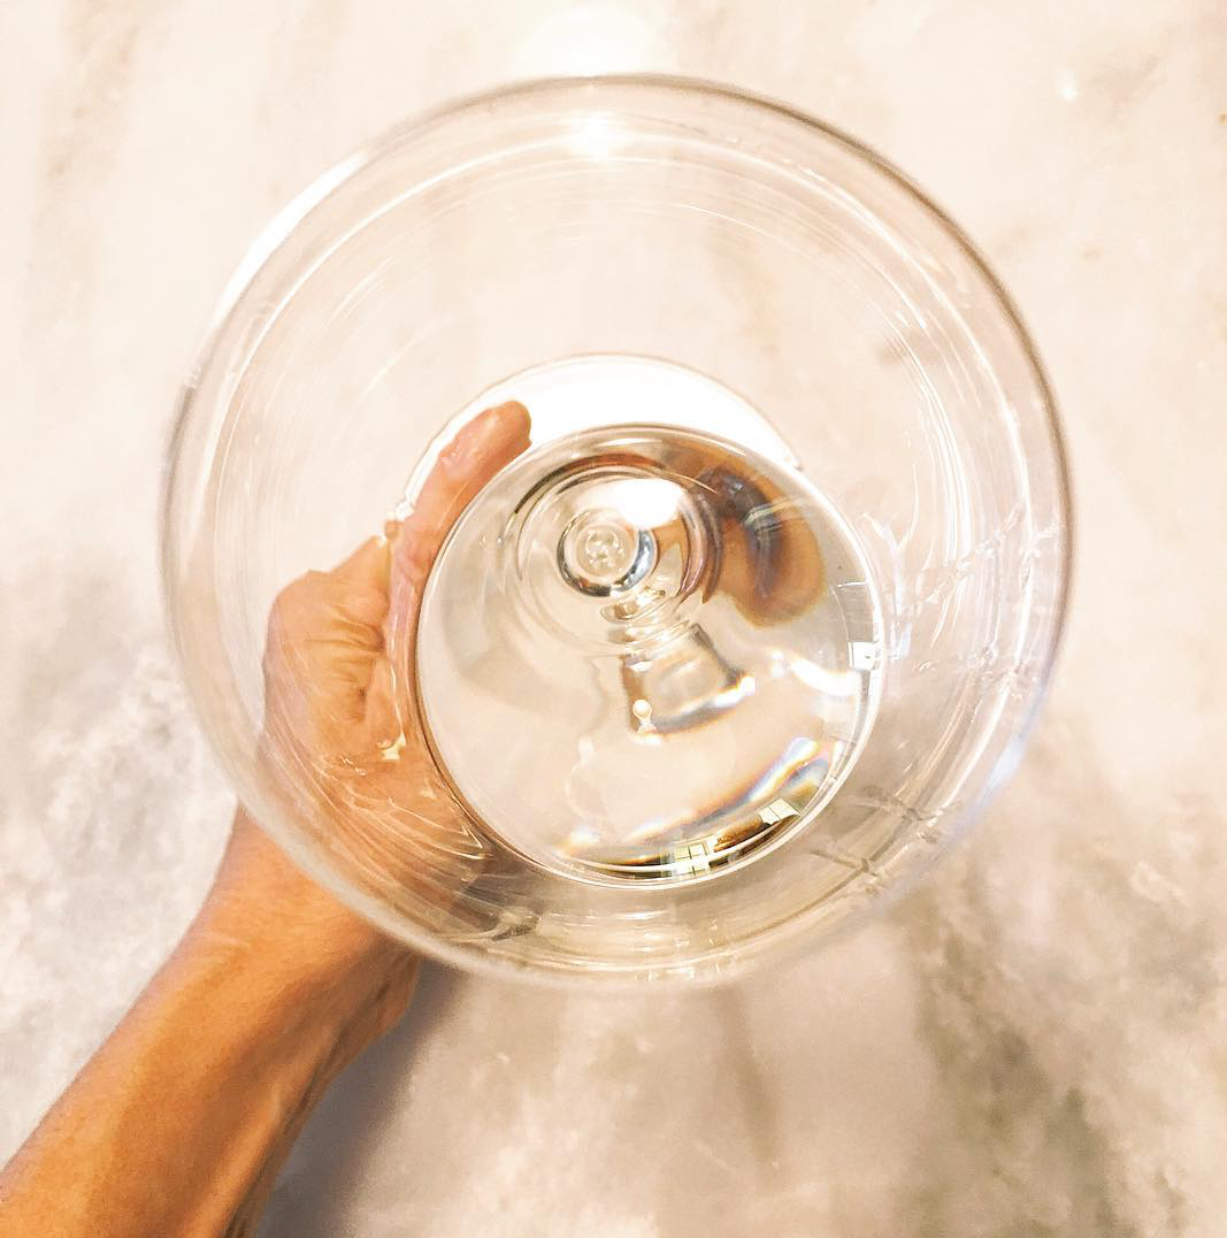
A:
307,973
301,983
263,906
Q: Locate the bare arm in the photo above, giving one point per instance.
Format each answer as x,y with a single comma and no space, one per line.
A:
180,1122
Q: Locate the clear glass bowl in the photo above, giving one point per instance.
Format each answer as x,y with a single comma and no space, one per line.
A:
619,223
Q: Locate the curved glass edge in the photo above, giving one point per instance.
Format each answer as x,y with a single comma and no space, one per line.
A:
787,940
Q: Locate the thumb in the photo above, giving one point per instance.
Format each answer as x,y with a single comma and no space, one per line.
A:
482,447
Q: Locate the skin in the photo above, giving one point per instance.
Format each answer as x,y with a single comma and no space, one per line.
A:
181,1120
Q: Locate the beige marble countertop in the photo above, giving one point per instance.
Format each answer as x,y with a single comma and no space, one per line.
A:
1035,1041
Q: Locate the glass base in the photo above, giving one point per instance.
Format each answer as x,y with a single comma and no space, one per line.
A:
647,649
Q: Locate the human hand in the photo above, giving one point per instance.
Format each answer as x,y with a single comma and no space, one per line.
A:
201,1089
344,741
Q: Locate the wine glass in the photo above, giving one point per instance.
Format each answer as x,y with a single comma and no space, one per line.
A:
760,617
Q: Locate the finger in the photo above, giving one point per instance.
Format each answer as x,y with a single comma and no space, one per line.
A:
336,622
325,636
383,718
482,447
369,565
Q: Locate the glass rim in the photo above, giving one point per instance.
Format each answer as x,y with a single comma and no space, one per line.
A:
787,939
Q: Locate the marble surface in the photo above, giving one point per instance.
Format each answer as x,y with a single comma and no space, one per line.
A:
1035,1041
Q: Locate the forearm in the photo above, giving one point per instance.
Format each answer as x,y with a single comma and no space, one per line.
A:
180,1121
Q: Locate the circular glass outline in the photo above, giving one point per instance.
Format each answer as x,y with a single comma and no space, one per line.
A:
779,942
